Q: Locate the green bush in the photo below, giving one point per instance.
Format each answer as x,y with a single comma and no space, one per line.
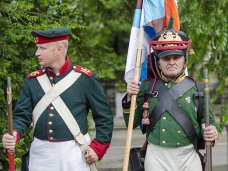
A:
223,117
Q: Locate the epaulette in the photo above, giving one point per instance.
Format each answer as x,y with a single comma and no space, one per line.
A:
82,70
36,73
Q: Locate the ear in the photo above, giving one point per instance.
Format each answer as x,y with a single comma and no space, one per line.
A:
185,63
158,64
59,48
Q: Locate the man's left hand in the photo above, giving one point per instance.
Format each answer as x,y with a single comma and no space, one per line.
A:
210,133
89,155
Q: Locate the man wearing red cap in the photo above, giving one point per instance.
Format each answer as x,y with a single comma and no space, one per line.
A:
167,107
57,99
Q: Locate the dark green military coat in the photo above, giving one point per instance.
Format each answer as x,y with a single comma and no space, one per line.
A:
86,93
167,132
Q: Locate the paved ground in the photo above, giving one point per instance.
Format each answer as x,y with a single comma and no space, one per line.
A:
113,160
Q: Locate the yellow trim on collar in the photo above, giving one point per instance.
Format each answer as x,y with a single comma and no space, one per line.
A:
181,78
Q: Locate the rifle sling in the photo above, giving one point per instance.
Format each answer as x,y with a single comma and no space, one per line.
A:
199,101
167,101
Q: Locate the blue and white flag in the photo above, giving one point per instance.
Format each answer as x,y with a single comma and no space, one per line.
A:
152,15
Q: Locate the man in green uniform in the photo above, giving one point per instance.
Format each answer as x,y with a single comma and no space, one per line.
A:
57,99
166,104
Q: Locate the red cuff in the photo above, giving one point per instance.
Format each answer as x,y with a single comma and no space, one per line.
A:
99,148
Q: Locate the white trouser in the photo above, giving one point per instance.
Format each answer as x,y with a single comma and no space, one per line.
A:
172,159
57,156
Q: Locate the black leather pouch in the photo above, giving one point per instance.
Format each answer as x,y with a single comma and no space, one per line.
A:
25,161
137,157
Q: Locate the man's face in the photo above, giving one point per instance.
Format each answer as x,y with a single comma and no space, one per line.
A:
46,54
171,66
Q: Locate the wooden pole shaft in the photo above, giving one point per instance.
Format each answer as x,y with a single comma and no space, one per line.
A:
133,102
10,123
9,106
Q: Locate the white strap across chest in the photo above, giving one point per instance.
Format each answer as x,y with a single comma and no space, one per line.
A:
51,93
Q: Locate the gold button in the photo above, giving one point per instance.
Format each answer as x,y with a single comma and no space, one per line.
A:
178,143
49,123
51,115
52,108
51,138
164,118
50,131
163,142
163,130
178,132
51,78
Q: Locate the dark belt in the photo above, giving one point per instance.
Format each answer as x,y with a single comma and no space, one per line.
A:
167,102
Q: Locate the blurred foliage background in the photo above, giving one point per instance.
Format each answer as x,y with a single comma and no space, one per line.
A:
100,31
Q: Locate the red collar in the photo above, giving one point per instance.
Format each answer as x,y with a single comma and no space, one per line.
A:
63,69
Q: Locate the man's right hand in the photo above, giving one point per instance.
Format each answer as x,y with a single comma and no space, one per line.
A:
145,118
9,141
133,88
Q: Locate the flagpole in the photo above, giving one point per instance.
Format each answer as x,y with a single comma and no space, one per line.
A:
133,101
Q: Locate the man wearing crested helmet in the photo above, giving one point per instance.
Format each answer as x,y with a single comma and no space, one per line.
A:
168,107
